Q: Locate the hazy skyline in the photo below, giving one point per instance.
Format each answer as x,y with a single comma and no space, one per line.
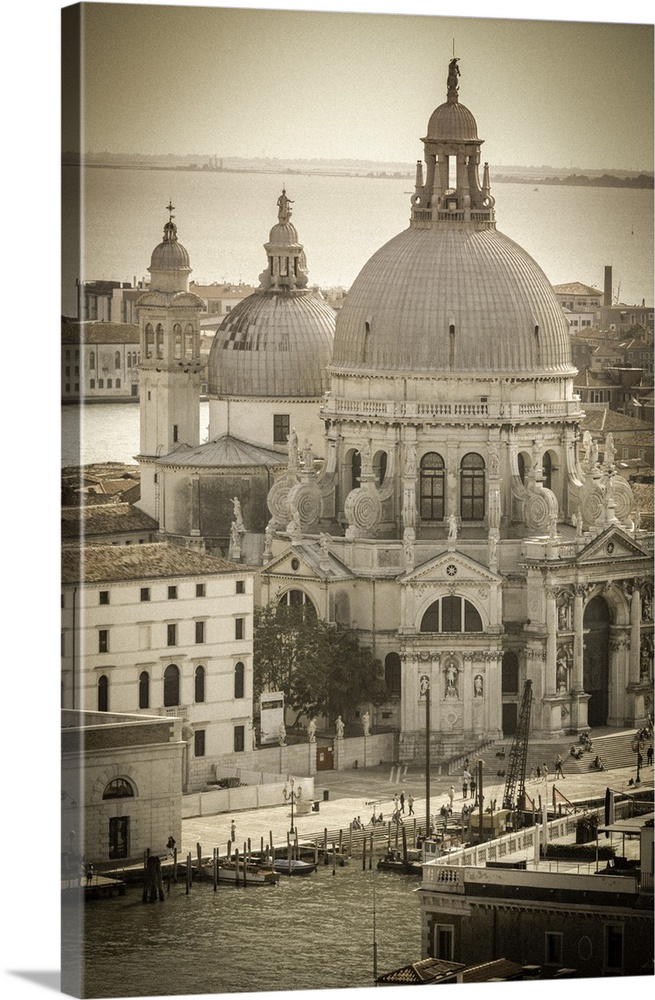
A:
311,84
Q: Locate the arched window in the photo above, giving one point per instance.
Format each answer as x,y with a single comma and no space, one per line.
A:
117,359
118,788
296,599
188,340
92,360
103,693
177,338
547,467
160,340
150,341
451,614
118,383
432,507
472,499
92,384
239,680
129,359
356,470
380,466
171,686
392,675
199,692
144,689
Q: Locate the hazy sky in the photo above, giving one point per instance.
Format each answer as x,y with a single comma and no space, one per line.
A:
288,83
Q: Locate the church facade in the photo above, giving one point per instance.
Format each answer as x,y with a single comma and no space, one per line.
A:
458,522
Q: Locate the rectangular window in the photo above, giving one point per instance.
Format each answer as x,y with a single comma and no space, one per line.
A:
171,631
172,593
145,593
200,590
554,950
241,586
199,743
239,739
103,640
200,631
613,946
174,432
239,628
104,597
280,428
119,836
443,941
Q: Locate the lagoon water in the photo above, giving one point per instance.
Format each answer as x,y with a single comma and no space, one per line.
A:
224,219
314,932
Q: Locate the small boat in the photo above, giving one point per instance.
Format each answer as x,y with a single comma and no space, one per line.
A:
254,875
292,867
393,861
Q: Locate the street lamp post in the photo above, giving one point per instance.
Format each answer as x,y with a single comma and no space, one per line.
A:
292,796
636,747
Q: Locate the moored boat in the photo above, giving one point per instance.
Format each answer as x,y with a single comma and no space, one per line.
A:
293,867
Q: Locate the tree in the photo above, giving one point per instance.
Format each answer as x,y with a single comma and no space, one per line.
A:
319,666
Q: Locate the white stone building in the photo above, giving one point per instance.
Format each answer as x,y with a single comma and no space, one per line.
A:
161,630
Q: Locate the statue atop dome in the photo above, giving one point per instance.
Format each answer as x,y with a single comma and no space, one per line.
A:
284,212
453,74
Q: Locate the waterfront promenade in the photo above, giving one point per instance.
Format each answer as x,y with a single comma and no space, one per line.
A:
352,792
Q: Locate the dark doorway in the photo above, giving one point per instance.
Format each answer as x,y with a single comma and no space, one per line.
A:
324,758
596,660
510,711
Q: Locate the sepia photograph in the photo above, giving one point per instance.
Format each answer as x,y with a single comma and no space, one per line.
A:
355,486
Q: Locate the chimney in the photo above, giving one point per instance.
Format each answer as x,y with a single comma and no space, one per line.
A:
607,293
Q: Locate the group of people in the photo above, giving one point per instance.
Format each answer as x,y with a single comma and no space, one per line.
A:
357,823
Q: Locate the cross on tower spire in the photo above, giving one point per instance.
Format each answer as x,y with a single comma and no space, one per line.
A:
169,208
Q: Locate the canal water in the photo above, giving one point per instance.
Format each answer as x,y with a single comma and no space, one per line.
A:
305,933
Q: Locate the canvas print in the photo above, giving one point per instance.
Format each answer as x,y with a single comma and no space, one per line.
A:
357,500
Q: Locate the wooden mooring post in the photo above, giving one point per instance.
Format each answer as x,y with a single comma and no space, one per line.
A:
189,873
236,865
215,869
199,856
364,855
153,886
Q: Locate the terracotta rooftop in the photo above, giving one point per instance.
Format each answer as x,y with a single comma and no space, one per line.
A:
155,560
605,420
99,333
104,519
225,451
576,288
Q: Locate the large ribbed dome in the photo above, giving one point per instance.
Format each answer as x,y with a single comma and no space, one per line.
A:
273,344
451,299
278,341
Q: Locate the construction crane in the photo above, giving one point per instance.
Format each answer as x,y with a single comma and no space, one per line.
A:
514,796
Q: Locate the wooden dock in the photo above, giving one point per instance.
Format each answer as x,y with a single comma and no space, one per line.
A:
97,887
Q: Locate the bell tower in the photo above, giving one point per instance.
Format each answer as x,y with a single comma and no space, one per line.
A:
170,364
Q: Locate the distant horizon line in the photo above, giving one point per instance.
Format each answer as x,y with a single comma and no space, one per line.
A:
401,164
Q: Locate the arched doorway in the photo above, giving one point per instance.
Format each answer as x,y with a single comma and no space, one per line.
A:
596,624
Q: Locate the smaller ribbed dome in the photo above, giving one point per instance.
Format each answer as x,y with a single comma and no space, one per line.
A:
283,234
169,255
452,121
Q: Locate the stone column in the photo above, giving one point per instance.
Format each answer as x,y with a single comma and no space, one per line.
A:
550,685
634,672
577,679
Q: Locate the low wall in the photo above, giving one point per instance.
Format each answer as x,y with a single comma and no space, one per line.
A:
364,751
225,800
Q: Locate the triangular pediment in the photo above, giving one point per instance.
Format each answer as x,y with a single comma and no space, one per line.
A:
612,543
450,567
306,561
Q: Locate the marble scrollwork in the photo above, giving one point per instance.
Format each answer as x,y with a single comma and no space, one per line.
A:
363,510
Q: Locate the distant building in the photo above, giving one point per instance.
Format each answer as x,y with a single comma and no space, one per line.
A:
120,787
99,362
578,298
161,630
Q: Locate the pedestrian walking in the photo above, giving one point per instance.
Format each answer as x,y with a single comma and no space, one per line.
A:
465,788
233,831
649,755
473,787
538,771
559,773
544,771
396,802
410,804
451,795
402,802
